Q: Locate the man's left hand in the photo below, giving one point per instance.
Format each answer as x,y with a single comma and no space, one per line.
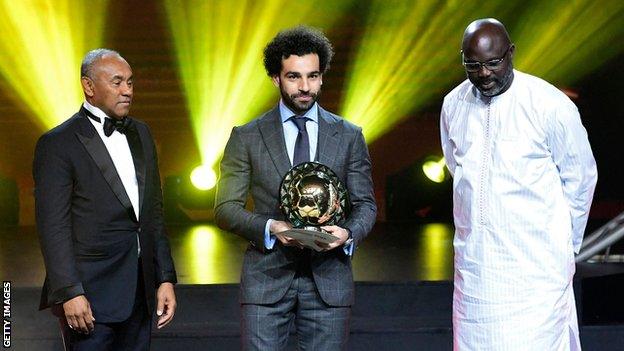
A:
166,304
336,231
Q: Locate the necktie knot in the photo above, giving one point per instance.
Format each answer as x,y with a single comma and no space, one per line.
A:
110,125
300,122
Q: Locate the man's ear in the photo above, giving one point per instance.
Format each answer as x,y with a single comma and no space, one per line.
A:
87,86
276,80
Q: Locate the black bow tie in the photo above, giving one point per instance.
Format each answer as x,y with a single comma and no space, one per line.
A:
110,125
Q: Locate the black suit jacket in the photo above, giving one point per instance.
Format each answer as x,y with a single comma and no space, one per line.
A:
87,225
254,163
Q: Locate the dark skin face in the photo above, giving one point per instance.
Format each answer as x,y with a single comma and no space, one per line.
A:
487,40
111,87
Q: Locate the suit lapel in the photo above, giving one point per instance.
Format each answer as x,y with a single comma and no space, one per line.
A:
98,152
138,158
328,138
272,133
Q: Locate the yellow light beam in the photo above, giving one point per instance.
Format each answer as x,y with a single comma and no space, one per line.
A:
42,45
219,46
409,52
407,55
562,41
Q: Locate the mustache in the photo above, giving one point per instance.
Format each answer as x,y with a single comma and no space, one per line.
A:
487,80
302,95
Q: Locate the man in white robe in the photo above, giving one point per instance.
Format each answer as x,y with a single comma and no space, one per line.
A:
523,181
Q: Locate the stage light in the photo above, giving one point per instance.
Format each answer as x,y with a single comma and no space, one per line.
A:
434,170
218,47
412,195
203,177
42,45
562,41
408,57
409,54
189,197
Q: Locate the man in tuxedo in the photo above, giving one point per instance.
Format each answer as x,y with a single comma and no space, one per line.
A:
99,216
282,281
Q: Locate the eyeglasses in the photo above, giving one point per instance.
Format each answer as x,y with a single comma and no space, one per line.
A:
491,65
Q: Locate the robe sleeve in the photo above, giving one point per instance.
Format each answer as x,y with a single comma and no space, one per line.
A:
447,146
572,154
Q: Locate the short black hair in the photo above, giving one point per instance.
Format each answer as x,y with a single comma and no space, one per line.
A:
301,40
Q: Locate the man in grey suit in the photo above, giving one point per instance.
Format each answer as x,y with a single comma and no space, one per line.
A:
281,281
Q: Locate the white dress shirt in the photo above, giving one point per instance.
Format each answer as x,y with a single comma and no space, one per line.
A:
119,151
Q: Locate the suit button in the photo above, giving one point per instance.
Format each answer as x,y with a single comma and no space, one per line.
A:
139,230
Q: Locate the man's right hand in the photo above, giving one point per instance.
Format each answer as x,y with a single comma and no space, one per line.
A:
78,314
278,227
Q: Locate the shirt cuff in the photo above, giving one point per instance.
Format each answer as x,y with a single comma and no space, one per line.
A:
269,240
348,249
349,246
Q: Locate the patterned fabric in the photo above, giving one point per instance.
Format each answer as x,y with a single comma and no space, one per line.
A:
523,181
254,163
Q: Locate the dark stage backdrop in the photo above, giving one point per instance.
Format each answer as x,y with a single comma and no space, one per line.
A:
137,30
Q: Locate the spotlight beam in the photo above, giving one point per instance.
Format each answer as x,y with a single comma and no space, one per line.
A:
408,56
43,42
562,41
219,46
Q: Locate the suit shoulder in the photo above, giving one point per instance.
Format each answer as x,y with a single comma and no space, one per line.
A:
139,123
349,127
248,127
253,125
61,131
141,126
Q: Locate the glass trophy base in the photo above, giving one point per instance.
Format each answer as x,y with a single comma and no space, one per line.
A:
309,236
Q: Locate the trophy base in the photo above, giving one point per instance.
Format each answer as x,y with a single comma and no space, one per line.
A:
309,236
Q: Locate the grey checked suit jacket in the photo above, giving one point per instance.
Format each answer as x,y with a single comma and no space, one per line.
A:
254,163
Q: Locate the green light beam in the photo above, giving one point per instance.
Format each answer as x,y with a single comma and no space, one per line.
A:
409,52
404,58
219,47
42,45
562,41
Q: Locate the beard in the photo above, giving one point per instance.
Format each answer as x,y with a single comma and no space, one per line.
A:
499,84
299,107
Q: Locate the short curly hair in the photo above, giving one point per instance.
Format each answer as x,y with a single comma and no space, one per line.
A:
301,40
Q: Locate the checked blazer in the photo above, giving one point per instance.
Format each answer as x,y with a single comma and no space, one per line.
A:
253,165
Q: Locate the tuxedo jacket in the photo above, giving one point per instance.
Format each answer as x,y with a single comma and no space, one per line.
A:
254,163
86,223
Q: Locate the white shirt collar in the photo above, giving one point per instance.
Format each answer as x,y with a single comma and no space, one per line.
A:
95,111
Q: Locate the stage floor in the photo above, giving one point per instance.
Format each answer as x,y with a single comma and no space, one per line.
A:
204,254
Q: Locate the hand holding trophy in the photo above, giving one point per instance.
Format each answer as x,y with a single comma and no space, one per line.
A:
311,196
